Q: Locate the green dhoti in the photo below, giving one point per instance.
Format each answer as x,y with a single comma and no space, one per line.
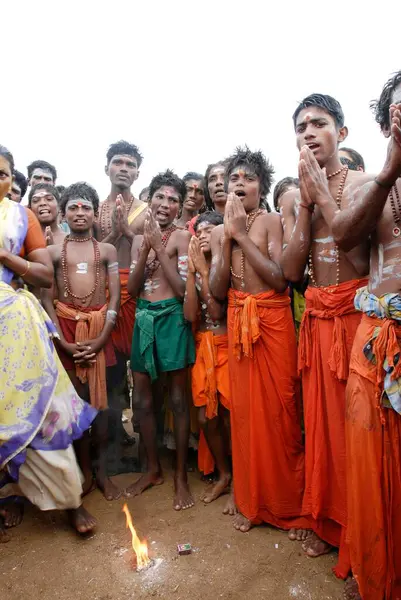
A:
163,339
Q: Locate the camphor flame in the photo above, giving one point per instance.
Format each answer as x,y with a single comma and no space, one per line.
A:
140,548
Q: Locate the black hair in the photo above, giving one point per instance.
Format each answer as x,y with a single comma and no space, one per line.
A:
5,153
45,166
79,190
255,162
21,181
326,103
381,107
125,148
192,175
48,187
208,199
282,186
356,159
210,216
60,189
171,179
144,191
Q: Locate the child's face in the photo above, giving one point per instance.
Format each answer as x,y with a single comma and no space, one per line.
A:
246,185
204,234
165,204
79,214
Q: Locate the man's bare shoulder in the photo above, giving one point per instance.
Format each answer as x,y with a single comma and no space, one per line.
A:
55,252
217,232
288,201
358,178
181,235
107,249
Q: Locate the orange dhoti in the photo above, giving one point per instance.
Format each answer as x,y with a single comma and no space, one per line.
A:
124,327
268,456
210,384
327,333
373,437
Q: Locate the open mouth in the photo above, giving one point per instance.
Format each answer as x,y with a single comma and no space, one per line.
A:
240,193
313,147
44,213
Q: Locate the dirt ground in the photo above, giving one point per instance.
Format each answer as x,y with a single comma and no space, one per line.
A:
46,560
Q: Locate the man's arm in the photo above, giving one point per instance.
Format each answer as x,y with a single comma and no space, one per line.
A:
220,275
138,264
176,279
113,278
191,301
298,239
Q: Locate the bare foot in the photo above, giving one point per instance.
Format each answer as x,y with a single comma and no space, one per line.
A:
299,535
230,507
88,485
107,487
12,513
4,537
183,498
351,591
241,523
219,488
81,520
313,546
146,481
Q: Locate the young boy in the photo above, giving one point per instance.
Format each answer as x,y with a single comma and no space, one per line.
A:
44,200
83,267
268,458
163,340
210,379
193,202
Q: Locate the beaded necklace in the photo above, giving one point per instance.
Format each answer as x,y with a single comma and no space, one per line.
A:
250,219
396,216
336,248
64,267
106,213
152,264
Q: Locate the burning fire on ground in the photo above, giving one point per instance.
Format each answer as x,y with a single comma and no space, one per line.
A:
140,548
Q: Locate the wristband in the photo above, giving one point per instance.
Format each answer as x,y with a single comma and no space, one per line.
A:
28,266
385,186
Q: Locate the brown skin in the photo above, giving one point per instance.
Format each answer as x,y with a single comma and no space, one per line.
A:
371,215
261,247
80,219
40,271
193,202
15,192
317,139
216,190
122,171
45,207
215,430
164,207
41,176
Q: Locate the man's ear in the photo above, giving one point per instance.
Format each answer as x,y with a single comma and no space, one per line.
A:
106,169
342,134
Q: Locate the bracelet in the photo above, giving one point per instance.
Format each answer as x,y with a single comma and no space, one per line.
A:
385,186
28,266
310,207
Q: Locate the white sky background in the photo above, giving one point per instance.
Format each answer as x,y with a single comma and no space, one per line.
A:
186,81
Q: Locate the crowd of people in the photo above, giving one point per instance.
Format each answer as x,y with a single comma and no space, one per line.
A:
281,327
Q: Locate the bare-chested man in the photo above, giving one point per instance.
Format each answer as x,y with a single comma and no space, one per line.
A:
268,457
163,340
210,377
121,217
194,201
85,318
373,409
44,200
330,320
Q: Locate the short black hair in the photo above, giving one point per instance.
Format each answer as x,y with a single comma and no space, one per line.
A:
171,179
144,191
60,189
381,107
282,186
210,216
208,199
42,164
21,181
326,103
5,153
79,190
356,159
125,148
48,187
255,162
192,175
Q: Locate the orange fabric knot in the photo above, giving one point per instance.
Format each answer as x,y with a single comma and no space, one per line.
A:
89,326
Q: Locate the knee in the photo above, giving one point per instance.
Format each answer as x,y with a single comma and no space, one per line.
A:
179,403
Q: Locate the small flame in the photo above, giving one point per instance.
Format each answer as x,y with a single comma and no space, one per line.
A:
140,548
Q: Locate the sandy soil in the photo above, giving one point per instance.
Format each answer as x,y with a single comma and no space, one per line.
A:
46,560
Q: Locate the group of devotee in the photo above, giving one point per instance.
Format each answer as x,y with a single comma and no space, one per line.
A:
286,324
